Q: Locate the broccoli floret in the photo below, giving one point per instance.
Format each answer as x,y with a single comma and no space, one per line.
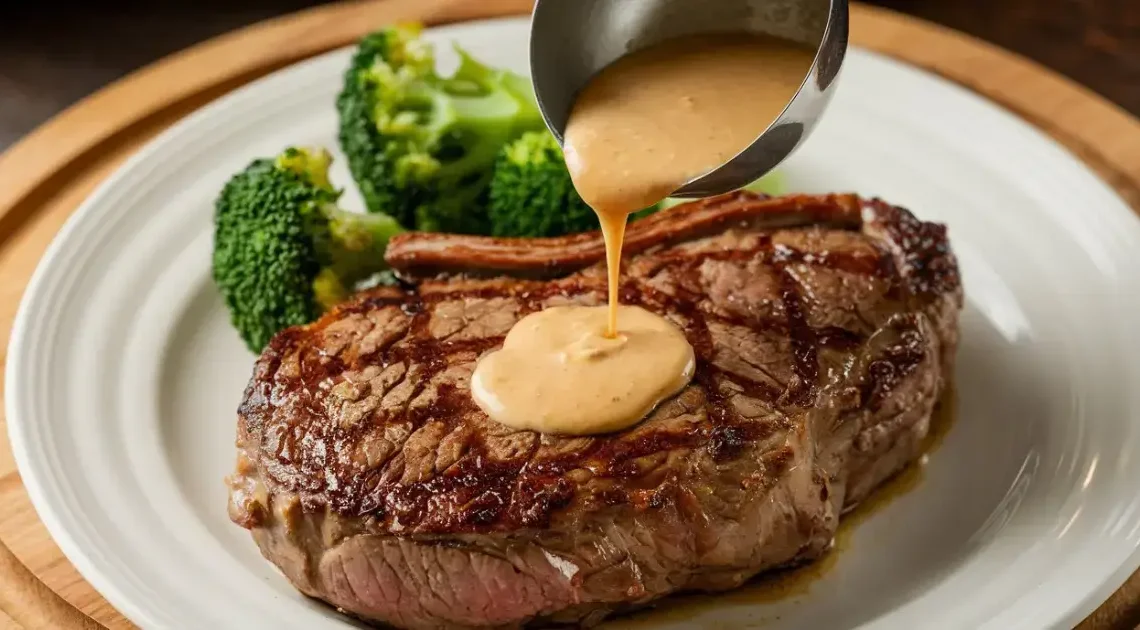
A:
421,146
531,193
283,251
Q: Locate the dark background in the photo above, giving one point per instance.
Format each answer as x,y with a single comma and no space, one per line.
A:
52,55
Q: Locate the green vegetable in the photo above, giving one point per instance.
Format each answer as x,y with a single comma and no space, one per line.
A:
421,146
531,193
283,251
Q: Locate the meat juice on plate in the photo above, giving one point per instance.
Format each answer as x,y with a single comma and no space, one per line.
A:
639,130
792,583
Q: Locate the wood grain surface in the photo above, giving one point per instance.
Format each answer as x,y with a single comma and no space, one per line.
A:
50,57
45,176
1095,42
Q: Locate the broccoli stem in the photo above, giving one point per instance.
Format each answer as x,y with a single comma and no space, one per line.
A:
356,250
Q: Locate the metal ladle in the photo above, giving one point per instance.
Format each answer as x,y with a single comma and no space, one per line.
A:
571,40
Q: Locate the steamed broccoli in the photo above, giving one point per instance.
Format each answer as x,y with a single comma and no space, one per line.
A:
531,193
283,251
421,146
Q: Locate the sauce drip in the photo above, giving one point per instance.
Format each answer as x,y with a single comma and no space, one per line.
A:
640,129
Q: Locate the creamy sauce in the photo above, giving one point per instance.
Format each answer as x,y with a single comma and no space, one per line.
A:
558,372
638,131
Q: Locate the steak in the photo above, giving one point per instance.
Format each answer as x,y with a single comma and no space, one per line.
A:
824,329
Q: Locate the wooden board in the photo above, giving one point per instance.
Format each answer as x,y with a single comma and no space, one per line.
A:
45,176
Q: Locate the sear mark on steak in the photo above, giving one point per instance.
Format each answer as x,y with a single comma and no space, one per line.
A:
824,328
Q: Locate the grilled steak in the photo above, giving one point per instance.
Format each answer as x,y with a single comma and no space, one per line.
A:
824,327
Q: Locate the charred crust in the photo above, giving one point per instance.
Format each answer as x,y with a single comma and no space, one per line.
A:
922,249
894,363
391,435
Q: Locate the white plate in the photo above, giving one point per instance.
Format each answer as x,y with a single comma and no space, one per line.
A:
124,375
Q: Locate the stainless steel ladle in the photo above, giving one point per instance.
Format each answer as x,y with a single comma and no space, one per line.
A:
571,40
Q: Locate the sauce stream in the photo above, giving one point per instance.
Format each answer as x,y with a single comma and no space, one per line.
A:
613,232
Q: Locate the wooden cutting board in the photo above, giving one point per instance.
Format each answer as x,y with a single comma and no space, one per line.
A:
45,176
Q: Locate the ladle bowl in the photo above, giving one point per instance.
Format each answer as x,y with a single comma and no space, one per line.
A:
571,40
